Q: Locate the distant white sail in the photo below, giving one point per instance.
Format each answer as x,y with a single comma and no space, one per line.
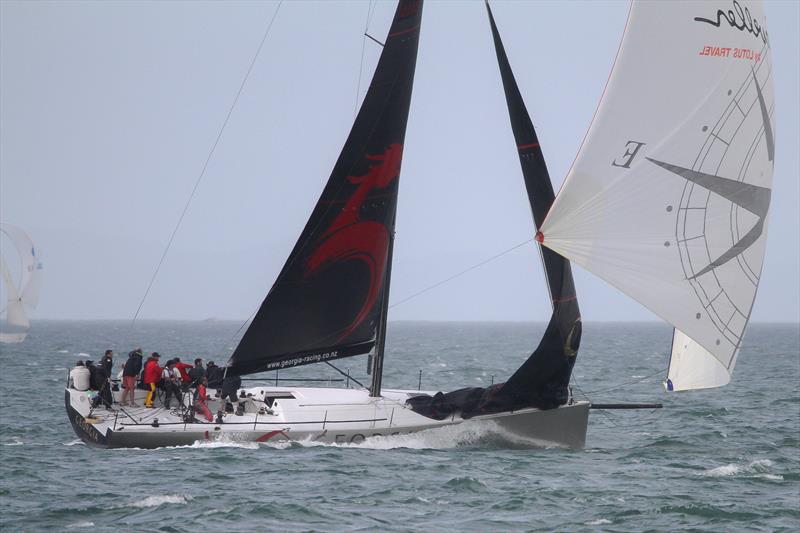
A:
14,310
668,197
24,295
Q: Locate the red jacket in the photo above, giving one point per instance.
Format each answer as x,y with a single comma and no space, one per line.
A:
184,368
152,372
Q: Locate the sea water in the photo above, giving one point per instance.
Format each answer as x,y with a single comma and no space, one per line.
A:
720,460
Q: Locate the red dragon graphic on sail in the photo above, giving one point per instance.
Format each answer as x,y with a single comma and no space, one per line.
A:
348,238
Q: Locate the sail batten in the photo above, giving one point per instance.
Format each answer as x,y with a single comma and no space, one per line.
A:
326,302
669,195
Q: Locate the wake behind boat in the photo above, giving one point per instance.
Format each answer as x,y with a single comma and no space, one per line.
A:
670,212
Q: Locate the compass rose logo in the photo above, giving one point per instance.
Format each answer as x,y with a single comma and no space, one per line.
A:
752,198
728,179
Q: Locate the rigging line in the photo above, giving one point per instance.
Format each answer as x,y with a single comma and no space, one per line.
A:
374,39
361,65
610,418
578,386
630,382
640,420
205,165
247,321
370,14
454,276
346,375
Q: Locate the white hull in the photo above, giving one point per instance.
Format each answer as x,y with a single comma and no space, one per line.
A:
275,414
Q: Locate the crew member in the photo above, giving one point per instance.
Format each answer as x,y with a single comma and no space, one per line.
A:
214,375
201,398
129,373
107,361
79,377
151,376
230,389
171,382
100,379
197,373
183,368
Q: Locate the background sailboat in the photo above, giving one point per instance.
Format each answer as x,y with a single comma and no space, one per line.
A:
22,294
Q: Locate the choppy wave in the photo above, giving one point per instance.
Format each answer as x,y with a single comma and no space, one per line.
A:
466,483
157,501
80,525
598,522
757,468
684,469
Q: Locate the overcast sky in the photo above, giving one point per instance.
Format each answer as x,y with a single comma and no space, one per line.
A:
108,111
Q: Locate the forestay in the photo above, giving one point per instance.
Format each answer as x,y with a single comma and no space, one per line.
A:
668,197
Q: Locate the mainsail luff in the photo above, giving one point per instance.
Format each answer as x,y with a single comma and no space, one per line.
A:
544,378
667,199
326,302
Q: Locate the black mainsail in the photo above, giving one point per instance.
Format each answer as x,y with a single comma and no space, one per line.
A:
329,300
543,379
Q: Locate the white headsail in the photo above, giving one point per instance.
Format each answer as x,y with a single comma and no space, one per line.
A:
24,294
668,197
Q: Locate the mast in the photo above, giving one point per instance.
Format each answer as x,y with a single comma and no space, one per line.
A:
377,361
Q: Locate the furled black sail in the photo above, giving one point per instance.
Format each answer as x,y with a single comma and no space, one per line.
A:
543,380
328,299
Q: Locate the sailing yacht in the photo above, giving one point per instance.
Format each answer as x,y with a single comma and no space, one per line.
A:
663,201
22,295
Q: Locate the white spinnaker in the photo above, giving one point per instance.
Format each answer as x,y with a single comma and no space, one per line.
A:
668,196
693,367
31,267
